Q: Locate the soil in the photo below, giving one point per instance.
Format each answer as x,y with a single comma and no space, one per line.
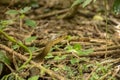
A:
87,28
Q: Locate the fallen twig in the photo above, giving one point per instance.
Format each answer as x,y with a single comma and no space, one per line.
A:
97,53
51,14
108,48
18,55
101,53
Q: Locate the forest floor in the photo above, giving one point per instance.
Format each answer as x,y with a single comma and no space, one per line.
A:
91,51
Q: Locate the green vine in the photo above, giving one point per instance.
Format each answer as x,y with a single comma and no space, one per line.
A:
21,45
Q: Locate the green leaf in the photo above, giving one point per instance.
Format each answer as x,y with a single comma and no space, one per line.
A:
116,6
68,47
57,58
63,57
12,12
66,68
77,2
34,77
30,23
32,48
86,2
22,16
15,46
6,22
2,27
72,50
95,76
55,69
85,52
77,47
74,60
60,58
49,56
4,58
30,39
25,10
69,37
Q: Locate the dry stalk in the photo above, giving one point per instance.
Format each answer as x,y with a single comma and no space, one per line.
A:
22,57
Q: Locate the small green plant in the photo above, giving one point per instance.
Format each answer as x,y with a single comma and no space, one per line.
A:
77,48
17,15
100,71
60,57
20,15
5,23
73,61
30,39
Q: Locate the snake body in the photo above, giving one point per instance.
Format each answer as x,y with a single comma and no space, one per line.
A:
41,56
